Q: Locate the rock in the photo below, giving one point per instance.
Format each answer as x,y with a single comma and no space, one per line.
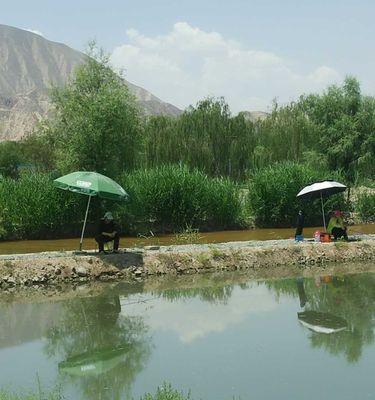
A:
81,271
138,272
9,280
57,271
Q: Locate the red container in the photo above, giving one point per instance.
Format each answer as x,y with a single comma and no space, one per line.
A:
325,237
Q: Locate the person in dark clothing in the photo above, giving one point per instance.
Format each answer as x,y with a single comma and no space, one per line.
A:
299,224
108,230
336,226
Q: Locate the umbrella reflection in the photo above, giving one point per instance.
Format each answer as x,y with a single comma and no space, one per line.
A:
94,363
321,322
317,321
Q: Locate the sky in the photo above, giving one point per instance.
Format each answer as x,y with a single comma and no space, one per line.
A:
249,51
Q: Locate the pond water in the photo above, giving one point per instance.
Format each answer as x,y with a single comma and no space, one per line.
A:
34,246
218,335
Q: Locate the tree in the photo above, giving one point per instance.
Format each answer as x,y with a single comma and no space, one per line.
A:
10,158
344,121
96,125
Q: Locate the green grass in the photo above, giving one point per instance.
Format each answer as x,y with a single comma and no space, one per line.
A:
8,395
164,392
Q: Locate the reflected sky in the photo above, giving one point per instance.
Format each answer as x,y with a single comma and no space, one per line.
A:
218,339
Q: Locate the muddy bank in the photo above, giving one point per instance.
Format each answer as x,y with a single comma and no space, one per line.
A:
273,258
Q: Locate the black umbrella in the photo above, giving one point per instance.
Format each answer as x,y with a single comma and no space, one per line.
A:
320,190
322,322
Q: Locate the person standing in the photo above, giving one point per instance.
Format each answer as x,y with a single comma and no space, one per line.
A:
299,224
108,231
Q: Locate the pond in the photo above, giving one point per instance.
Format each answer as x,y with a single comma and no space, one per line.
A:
219,335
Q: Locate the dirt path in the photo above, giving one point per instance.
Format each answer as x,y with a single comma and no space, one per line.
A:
272,258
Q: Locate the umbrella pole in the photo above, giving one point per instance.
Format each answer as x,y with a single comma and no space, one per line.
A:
324,218
84,224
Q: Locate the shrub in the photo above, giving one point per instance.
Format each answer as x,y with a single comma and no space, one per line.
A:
172,198
365,206
272,195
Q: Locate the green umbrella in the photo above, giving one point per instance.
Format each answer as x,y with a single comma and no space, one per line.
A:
94,363
91,184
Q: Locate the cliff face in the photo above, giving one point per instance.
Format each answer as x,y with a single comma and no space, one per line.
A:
29,64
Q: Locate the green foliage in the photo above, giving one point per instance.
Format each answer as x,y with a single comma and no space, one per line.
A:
206,137
96,125
272,194
31,207
166,392
172,198
10,158
345,122
285,135
38,149
365,206
10,395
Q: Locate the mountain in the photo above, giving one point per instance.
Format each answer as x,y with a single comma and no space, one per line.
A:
29,64
254,116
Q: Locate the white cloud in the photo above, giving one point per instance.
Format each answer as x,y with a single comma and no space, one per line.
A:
188,64
35,31
195,319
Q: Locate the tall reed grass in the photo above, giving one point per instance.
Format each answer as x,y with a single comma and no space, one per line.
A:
172,198
31,207
164,199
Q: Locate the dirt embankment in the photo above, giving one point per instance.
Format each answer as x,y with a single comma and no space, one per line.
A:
259,259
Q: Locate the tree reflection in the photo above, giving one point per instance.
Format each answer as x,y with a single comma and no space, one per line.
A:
350,298
101,350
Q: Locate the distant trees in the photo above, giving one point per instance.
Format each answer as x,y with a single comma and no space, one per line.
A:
98,126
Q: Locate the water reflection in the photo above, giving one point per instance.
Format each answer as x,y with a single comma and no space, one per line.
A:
342,305
316,321
102,350
100,347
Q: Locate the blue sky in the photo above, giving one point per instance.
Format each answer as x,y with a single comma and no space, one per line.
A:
249,51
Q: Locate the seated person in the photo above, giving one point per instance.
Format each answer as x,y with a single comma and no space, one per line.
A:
108,231
336,226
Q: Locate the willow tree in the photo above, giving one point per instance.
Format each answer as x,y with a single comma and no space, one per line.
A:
96,124
161,142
